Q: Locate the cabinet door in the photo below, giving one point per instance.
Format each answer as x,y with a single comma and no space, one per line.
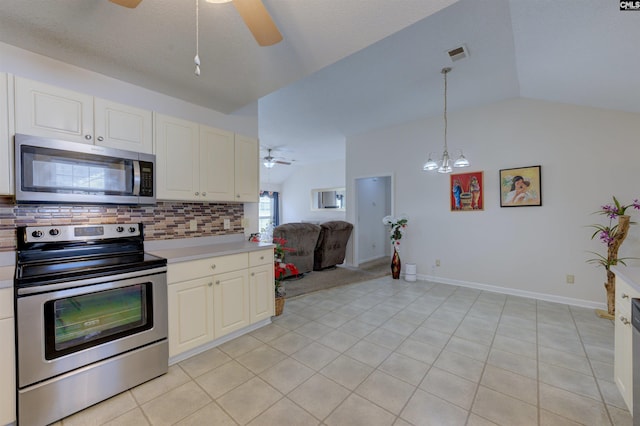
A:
49,111
177,160
262,302
216,164
623,362
122,126
230,302
246,169
6,147
7,358
190,314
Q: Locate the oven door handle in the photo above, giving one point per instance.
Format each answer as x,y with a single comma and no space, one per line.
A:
27,291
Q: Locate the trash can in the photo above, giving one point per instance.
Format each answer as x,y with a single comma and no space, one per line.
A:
409,271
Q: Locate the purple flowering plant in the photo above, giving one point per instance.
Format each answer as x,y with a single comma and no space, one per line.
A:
607,233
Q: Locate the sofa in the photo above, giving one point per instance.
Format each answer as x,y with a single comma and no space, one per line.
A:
301,240
332,244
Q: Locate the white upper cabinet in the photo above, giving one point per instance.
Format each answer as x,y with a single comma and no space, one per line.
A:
216,164
49,111
201,163
177,147
6,147
246,169
122,126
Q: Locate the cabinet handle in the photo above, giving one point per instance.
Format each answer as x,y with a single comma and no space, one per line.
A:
625,296
210,284
218,282
100,138
87,137
237,195
204,194
261,257
624,320
197,193
253,274
213,266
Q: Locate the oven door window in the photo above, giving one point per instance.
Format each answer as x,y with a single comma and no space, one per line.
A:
79,322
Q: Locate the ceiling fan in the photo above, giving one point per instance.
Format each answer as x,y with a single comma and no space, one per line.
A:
270,161
253,12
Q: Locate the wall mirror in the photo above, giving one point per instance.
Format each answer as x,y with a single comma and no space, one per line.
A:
328,199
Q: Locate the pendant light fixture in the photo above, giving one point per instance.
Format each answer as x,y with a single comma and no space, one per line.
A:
444,166
196,59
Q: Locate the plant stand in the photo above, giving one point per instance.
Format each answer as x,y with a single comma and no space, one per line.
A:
612,253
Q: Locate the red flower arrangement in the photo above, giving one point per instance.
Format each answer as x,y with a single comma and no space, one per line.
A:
280,268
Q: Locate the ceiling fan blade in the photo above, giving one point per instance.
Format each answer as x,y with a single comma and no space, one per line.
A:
258,21
282,162
131,4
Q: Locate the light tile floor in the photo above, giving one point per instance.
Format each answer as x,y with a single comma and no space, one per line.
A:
390,352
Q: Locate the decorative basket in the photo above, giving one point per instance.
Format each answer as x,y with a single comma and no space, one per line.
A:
279,305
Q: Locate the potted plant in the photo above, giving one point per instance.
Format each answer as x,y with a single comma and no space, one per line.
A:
397,227
613,236
280,268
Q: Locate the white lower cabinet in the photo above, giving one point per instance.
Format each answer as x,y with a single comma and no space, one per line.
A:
623,362
210,298
7,359
230,302
261,285
190,314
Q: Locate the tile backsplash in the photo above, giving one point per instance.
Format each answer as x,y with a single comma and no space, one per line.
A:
165,220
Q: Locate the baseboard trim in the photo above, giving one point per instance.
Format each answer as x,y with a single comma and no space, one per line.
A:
515,292
217,342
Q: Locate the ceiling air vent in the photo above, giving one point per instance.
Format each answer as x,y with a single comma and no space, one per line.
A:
458,53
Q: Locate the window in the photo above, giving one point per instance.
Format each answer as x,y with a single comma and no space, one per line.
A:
268,210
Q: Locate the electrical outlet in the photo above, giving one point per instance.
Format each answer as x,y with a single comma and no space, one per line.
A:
570,279
193,225
227,224
437,262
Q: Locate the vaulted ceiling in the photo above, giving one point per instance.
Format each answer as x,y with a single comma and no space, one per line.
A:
345,66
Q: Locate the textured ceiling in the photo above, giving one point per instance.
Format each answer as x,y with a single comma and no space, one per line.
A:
153,45
345,66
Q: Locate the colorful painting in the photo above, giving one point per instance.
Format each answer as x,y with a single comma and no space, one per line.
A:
467,192
520,187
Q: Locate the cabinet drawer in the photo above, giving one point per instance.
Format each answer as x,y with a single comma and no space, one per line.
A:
6,303
205,267
262,257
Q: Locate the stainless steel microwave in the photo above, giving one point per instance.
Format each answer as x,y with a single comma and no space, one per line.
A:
62,172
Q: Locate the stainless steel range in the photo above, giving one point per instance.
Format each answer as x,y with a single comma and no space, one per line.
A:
91,317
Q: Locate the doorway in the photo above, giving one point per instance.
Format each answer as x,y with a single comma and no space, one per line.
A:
374,199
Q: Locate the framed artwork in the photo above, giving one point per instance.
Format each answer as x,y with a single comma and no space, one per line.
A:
467,192
520,187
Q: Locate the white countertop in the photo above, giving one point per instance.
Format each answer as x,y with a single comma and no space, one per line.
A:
630,274
200,248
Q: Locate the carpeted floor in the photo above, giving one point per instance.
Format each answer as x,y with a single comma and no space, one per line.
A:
341,275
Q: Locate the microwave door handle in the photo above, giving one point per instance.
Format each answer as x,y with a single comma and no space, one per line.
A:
136,177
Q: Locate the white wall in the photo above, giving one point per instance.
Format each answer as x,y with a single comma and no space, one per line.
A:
587,156
296,192
41,68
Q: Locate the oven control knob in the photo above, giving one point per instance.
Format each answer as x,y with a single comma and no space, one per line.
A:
54,232
119,229
36,234
132,229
